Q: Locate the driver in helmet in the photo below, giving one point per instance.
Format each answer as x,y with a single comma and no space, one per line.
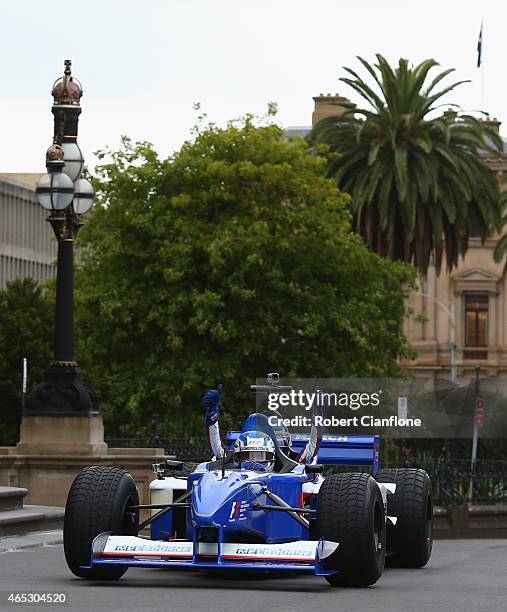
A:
253,450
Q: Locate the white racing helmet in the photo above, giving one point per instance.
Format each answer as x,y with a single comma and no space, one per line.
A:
255,446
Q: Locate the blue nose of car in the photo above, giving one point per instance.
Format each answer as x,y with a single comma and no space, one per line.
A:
219,500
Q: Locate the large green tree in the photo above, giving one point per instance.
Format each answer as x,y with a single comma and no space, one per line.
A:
26,329
419,187
230,259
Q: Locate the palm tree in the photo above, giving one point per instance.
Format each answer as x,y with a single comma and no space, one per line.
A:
419,187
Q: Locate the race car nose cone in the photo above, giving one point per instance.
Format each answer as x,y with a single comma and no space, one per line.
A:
213,497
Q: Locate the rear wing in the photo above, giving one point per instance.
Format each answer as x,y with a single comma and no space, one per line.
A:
336,449
344,450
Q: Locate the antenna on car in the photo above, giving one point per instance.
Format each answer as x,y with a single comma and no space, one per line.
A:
272,386
273,378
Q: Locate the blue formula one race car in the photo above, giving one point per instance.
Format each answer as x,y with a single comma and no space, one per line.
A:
261,504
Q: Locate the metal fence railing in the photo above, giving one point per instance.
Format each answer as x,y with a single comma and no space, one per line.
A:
451,479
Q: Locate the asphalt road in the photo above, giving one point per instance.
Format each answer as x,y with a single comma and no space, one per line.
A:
463,575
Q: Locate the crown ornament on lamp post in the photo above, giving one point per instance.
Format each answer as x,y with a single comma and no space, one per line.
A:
55,189
62,190
67,92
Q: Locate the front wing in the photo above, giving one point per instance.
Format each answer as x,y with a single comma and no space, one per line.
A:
132,551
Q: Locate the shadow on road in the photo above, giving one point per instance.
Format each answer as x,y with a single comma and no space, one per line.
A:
229,579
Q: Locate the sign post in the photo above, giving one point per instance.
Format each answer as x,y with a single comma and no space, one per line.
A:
480,404
402,408
24,383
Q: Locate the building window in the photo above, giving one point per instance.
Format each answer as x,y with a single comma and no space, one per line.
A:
476,325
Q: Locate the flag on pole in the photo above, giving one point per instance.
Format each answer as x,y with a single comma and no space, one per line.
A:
479,48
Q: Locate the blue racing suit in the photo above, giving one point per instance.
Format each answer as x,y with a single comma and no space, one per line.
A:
212,405
211,401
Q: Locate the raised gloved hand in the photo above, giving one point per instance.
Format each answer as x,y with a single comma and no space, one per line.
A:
211,400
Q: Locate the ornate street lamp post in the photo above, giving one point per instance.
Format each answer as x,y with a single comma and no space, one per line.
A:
67,197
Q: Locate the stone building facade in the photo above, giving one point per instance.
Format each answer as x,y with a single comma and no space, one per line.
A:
27,248
478,291
476,288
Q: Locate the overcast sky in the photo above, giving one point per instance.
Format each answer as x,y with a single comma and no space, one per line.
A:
144,64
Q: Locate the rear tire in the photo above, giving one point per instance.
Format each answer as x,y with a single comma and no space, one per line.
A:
97,502
350,511
410,541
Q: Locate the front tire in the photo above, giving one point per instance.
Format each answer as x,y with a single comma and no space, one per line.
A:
350,511
97,502
410,541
